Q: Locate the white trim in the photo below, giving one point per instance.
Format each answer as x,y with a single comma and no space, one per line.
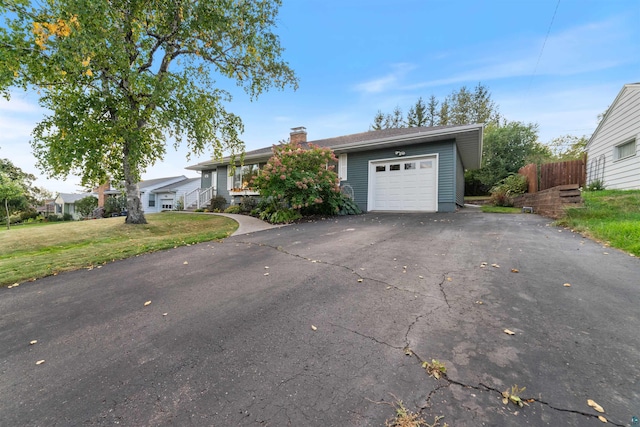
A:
342,167
371,170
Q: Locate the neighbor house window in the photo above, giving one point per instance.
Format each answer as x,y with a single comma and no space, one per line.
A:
625,150
152,200
243,176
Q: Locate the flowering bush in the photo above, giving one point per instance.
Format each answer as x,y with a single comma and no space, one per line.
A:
303,180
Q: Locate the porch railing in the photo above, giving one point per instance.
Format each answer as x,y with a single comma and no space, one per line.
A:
198,198
205,196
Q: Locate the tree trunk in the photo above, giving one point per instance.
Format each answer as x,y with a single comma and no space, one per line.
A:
135,215
6,206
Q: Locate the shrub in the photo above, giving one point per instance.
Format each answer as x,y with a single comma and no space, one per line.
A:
347,206
248,204
53,218
218,203
180,204
115,205
276,211
199,210
86,205
28,214
506,190
300,179
67,217
596,185
235,209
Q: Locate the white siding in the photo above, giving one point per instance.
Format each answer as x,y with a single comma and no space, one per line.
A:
620,125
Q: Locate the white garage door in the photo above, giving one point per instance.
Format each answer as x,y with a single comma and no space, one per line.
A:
408,184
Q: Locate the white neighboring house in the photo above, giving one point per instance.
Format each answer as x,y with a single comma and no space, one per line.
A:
612,151
172,196
65,203
162,194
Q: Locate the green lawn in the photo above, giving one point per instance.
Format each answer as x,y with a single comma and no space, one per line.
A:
610,216
29,253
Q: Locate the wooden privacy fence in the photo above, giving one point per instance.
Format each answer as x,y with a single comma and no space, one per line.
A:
551,175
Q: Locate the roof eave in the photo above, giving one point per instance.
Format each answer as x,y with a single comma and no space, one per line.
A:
375,143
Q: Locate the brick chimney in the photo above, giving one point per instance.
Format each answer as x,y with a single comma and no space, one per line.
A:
100,190
298,135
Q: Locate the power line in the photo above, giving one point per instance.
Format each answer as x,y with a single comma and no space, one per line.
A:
543,45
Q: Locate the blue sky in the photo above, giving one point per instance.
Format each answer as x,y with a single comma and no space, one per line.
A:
355,57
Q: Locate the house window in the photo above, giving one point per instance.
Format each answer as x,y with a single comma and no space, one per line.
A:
409,166
394,167
625,150
243,176
342,167
167,206
381,168
152,200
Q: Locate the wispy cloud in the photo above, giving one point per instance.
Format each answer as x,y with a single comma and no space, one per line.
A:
388,82
586,48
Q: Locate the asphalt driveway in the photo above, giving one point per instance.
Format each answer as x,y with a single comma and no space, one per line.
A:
327,324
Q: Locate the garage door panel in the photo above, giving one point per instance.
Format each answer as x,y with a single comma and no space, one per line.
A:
408,184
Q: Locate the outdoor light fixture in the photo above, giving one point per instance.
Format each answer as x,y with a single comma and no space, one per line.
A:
399,153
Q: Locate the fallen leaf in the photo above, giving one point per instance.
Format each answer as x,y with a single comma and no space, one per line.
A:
147,303
601,418
495,266
266,274
420,277
33,342
164,314
360,280
185,263
567,285
605,253
449,279
483,265
388,287
515,270
313,328
509,332
40,362
479,302
595,406
266,266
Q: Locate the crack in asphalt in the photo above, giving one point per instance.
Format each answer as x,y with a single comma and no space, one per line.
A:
408,351
484,387
349,269
444,294
374,339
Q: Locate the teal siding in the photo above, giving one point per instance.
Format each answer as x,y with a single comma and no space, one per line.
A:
358,170
459,180
223,176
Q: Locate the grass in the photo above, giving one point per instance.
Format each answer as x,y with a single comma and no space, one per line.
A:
500,209
611,216
29,253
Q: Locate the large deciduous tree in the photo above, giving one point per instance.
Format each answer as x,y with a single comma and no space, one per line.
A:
507,148
120,76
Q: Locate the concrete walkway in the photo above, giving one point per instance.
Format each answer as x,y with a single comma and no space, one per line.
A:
248,224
